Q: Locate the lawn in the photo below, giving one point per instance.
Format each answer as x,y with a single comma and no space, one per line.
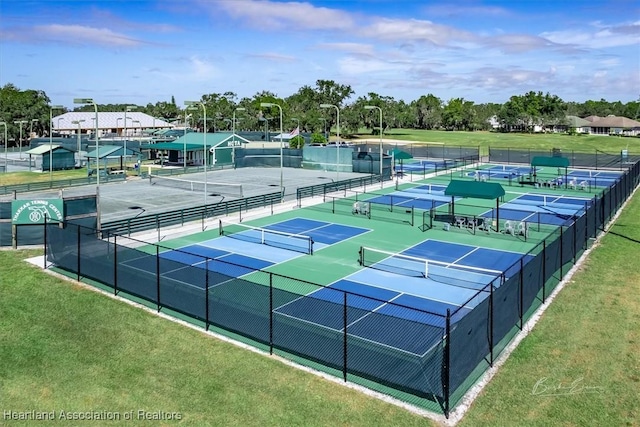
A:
484,140
66,347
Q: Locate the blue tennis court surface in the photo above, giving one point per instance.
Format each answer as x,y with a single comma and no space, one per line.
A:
544,208
422,197
370,291
233,257
420,165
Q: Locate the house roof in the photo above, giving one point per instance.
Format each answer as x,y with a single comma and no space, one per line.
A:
213,139
577,122
592,118
615,122
106,120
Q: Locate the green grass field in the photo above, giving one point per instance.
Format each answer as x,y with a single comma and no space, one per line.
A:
66,347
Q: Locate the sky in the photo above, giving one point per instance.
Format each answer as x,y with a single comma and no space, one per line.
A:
139,51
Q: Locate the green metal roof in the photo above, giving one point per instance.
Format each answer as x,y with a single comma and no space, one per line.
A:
111,150
42,149
172,146
556,162
474,189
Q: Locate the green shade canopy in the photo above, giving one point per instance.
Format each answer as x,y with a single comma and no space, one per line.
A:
556,161
400,155
475,189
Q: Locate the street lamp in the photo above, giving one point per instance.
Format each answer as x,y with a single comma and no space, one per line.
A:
374,107
6,144
20,122
204,143
95,106
58,126
338,136
31,126
117,125
233,131
53,107
271,104
77,122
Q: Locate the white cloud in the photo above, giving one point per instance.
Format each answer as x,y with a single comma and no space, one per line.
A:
78,34
598,36
270,15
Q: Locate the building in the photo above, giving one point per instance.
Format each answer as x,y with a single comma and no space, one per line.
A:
109,124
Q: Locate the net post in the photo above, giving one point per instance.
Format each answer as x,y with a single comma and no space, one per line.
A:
206,294
344,325
412,216
220,230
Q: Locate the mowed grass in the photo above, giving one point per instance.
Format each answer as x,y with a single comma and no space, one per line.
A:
64,347
484,140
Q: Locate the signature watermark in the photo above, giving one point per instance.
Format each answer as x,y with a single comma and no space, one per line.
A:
546,387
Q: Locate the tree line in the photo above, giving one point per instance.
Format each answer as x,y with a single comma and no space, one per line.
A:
520,112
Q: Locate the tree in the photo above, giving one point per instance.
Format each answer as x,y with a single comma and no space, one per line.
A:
458,114
28,105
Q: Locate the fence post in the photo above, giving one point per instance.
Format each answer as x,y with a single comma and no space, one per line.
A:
521,277
270,313
45,238
158,277
206,294
446,368
491,324
561,250
544,270
115,264
344,326
78,239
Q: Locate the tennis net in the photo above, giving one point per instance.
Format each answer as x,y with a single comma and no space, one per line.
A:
214,188
451,274
265,236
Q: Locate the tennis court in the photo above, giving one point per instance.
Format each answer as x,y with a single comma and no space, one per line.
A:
430,277
240,249
423,197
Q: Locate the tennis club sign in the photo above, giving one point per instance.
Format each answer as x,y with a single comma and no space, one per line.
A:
36,211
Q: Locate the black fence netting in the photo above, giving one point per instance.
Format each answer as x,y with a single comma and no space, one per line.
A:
427,359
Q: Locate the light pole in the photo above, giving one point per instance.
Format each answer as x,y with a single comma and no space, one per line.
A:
297,127
31,126
324,131
271,104
233,131
53,107
6,144
20,122
204,143
77,122
95,106
338,136
374,107
126,110
117,125
184,150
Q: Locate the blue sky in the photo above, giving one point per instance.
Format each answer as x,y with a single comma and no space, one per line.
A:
141,52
